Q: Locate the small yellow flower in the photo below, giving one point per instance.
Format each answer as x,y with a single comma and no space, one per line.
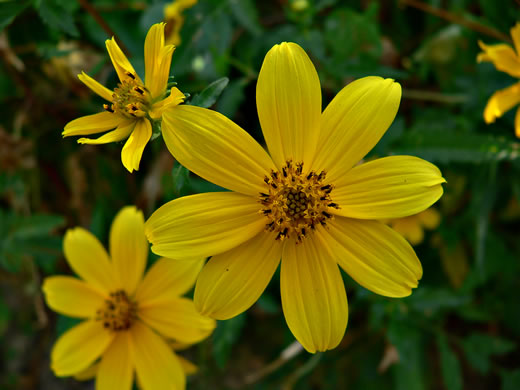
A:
412,227
128,317
307,203
134,104
174,19
506,59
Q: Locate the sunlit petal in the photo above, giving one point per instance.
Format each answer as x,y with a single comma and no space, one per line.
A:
234,280
98,88
116,370
122,131
288,97
92,124
501,102
134,146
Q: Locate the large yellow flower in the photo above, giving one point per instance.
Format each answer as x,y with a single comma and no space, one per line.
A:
134,104
128,317
307,204
506,59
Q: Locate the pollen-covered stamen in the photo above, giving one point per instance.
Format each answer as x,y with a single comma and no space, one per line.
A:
295,203
130,98
118,313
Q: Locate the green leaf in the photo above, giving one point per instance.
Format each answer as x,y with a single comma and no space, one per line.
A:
225,336
450,365
56,16
246,14
510,380
409,372
180,176
480,347
451,147
10,9
210,94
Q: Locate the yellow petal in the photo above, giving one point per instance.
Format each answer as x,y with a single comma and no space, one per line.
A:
79,347
313,295
88,259
515,34
177,319
288,96
373,254
134,146
71,296
116,370
389,187
517,123
176,97
128,248
157,59
233,281
167,279
188,367
119,60
122,131
98,88
430,218
502,56
215,148
88,373
156,365
354,122
202,225
91,124
409,228
501,102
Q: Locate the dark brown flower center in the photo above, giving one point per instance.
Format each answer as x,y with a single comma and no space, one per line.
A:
296,202
118,313
130,98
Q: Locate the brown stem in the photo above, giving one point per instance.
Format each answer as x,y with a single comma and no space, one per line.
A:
443,14
104,25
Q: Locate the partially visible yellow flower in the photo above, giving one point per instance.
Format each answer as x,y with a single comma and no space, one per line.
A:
506,59
129,317
412,227
307,203
174,19
134,104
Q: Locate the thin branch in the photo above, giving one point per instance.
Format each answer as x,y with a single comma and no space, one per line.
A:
436,97
293,350
103,24
443,14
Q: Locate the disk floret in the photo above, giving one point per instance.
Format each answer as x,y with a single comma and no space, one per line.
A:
118,313
130,98
296,202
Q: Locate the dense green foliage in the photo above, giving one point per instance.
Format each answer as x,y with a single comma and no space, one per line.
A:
459,330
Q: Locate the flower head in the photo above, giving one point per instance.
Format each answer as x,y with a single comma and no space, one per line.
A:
128,317
412,227
174,19
506,59
134,104
307,203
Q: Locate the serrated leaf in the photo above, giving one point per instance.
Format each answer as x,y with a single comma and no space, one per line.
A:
57,17
450,365
449,147
210,94
225,336
480,347
10,9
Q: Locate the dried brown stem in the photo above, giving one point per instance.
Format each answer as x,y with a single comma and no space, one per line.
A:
103,24
443,14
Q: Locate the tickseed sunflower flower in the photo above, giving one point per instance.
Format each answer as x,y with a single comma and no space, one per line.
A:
307,203
129,318
174,19
412,228
134,104
506,59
